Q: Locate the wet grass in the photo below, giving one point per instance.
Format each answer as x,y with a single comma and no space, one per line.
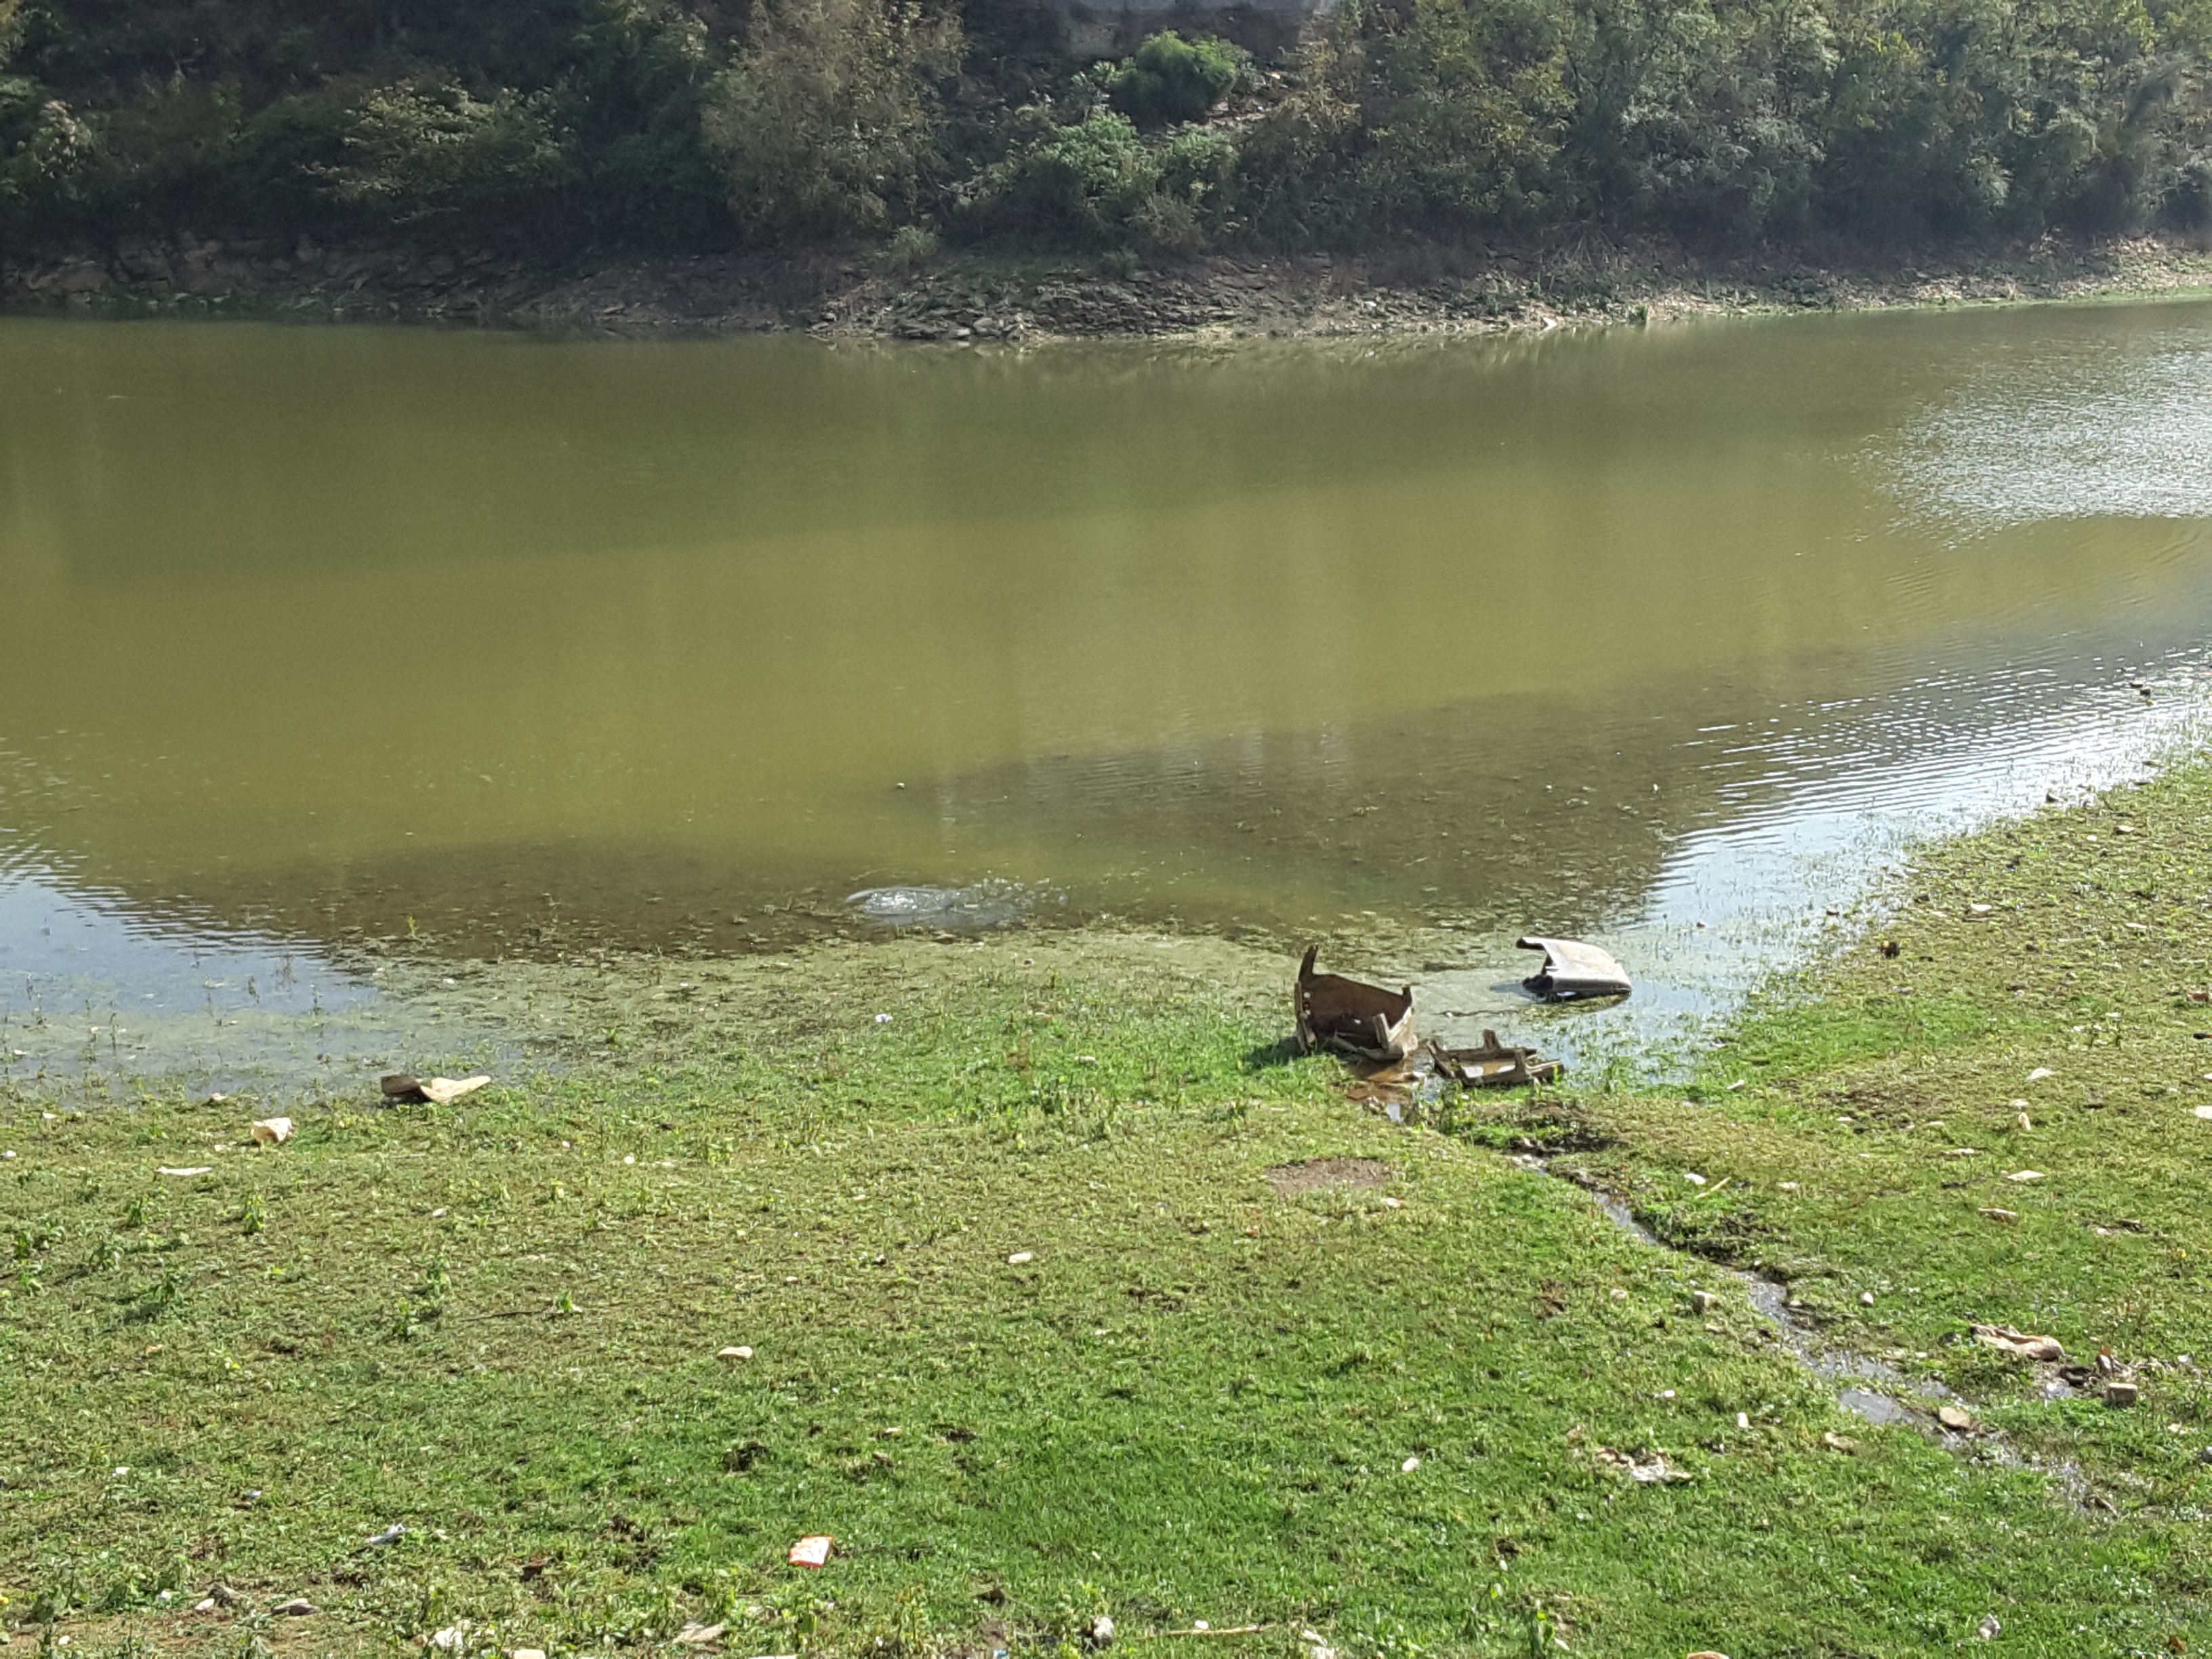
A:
1035,1338
1985,1111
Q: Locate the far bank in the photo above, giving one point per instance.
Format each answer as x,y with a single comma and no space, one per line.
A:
972,299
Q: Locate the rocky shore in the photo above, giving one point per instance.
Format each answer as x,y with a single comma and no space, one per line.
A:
961,298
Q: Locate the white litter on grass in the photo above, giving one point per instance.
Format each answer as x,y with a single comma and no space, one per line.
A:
1409,1466
2039,1073
195,1170
1021,1258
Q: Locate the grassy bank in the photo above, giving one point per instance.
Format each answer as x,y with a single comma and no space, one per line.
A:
1052,1315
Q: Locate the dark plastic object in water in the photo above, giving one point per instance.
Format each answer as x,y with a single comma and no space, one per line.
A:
951,909
1572,968
1352,1017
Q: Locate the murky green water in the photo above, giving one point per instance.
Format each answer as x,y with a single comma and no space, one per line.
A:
321,633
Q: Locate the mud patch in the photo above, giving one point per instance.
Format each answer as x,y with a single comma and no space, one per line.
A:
1290,1180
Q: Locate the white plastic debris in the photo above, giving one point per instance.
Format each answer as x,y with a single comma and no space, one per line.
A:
1021,1258
734,1356
812,1551
272,1131
192,1169
391,1534
1409,1466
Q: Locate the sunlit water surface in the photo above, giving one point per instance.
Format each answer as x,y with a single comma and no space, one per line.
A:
504,647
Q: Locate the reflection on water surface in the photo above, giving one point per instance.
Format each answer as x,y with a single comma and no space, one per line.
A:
511,644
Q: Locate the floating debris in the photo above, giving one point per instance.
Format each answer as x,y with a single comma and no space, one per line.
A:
1494,1065
1351,1017
1573,970
983,907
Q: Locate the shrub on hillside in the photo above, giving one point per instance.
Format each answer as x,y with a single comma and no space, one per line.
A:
1172,79
419,153
828,122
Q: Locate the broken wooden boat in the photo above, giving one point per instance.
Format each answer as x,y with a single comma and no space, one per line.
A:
1573,969
1352,1018
1495,1065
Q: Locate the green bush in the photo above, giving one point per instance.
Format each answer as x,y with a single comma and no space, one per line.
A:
829,121
1172,79
437,153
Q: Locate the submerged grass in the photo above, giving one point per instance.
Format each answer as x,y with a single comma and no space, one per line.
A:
1037,1338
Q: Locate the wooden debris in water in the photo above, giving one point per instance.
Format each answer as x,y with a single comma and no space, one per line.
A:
1351,1017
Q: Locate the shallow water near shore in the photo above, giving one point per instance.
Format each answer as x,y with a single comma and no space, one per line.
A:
491,648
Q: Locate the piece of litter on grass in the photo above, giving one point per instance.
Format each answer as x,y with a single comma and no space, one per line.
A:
2201,1111
2024,1176
1866,1298
812,1551
2020,1344
272,1131
1788,1186
1989,1627
1199,1624
1409,1466
2039,1073
1737,1084
298,1607
1994,1213
391,1534
734,1356
1743,1420
1842,1443
883,1019
449,1639
192,1169
1620,1295
697,1635
1964,1152
1694,1179
1021,1258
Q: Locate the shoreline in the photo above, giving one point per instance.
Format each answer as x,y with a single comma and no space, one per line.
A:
976,300
1003,1274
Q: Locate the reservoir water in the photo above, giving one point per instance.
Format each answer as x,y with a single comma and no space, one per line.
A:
497,647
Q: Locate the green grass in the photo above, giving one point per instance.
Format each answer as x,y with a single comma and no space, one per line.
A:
1372,1413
